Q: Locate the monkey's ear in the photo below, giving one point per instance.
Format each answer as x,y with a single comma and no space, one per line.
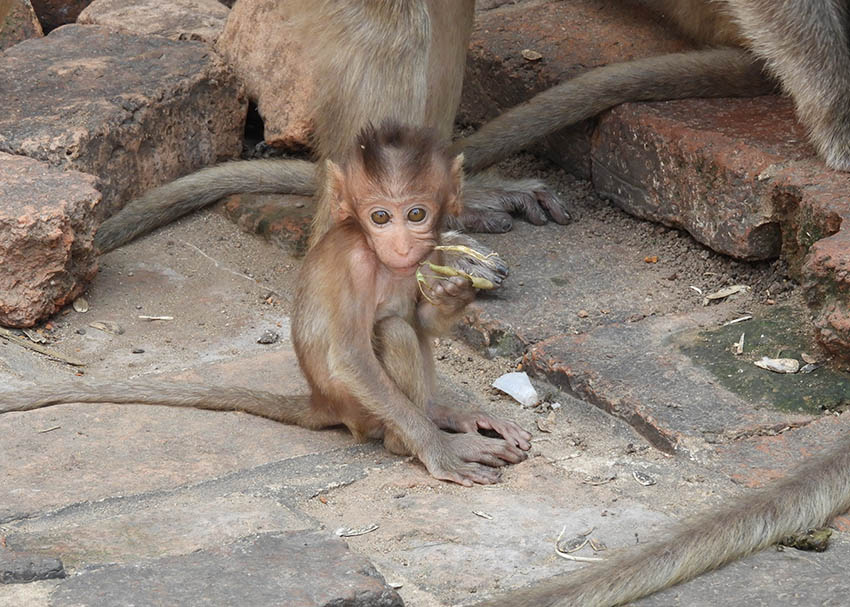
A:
335,185
454,203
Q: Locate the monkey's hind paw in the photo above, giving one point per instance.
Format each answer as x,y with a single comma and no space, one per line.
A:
490,202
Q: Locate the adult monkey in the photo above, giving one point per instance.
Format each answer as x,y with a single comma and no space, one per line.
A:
804,44
373,60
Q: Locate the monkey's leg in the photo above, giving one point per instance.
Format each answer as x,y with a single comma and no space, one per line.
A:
397,348
806,43
490,201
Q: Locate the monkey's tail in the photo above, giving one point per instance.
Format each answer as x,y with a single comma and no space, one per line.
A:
166,203
723,72
286,409
809,497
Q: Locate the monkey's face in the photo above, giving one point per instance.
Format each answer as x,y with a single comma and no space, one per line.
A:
401,233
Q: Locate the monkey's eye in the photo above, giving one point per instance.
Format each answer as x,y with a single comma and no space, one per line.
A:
380,217
416,214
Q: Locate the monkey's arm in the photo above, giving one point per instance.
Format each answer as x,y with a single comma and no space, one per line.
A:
710,73
166,203
442,303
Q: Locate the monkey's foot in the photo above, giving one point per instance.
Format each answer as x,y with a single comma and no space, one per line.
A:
490,201
485,265
469,458
456,420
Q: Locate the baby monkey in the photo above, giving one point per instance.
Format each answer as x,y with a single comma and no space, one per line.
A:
362,324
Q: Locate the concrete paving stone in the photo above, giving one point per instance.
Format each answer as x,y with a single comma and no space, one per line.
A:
639,375
18,23
48,218
53,13
301,569
21,568
572,37
134,111
176,19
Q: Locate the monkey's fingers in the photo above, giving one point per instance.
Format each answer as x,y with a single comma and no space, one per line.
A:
555,207
508,430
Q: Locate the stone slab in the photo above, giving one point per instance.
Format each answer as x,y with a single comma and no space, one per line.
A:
18,23
22,568
176,19
275,72
134,111
304,569
48,218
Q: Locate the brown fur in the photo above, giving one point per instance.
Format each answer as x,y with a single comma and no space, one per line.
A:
802,43
360,326
373,61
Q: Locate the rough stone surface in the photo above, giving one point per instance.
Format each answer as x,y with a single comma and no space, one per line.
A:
284,220
275,72
572,37
134,111
22,568
302,569
20,23
176,19
48,218
53,13
685,164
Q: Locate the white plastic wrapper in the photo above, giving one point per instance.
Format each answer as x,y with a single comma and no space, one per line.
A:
517,386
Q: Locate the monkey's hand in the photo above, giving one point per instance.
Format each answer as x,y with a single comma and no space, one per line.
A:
443,300
469,458
455,420
485,263
489,201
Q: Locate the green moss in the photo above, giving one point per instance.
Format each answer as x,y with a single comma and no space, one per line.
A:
776,336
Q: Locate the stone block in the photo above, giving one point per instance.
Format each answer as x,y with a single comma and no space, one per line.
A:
53,13
176,19
263,49
18,22
703,165
48,218
135,111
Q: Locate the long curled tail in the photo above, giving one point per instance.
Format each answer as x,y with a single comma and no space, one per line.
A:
166,203
709,73
294,410
809,497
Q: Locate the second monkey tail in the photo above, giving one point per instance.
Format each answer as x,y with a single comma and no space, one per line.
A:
167,202
295,410
723,72
810,496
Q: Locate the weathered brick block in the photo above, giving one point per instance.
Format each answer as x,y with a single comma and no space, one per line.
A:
176,19
19,23
275,72
687,164
47,223
135,111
